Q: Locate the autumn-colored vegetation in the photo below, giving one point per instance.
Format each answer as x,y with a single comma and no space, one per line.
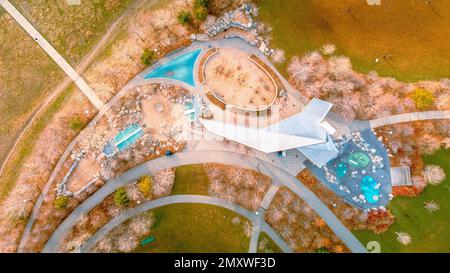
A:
358,96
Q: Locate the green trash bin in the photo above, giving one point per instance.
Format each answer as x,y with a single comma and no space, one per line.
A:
147,240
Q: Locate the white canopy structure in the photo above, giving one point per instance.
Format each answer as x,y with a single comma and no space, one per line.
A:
304,131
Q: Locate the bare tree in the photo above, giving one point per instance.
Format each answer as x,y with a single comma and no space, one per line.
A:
340,67
300,72
105,245
428,144
404,238
433,174
248,227
431,206
278,56
328,49
126,243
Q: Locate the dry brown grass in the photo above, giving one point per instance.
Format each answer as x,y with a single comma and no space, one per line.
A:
27,75
72,30
36,168
297,223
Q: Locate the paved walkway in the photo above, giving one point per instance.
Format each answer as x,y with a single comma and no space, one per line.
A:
48,48
429,115
178,199
257,226
199,157
259,222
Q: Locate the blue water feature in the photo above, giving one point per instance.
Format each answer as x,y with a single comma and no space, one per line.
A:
109,149
128,136
180,68
189,106
369,189
341,169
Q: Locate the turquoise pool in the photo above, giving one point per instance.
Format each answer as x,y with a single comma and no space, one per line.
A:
181,68
341,169
369,190
128,136
190,106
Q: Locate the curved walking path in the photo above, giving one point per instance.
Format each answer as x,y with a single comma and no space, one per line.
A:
407,117
180,199
278,175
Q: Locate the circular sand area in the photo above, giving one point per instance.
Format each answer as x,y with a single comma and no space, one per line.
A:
238,81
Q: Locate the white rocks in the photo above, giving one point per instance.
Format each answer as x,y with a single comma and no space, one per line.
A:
200,37
228,20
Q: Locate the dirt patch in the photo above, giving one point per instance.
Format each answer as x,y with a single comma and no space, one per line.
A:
238,81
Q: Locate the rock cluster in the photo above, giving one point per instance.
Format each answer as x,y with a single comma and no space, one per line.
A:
61,187
240,18
233,19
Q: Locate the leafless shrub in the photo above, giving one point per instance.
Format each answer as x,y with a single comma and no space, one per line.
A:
433,174
278,56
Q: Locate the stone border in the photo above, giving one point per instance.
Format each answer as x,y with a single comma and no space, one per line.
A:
203,63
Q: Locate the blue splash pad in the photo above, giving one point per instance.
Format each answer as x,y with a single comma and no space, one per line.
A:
368,188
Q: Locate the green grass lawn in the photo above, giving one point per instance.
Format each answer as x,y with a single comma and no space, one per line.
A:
270,247
416,35
195,228
430,232
191,179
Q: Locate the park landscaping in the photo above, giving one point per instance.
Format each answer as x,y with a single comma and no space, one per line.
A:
196,228
428,230
410,39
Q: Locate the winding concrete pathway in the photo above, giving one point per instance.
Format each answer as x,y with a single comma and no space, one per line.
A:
180,199
278,175
51,51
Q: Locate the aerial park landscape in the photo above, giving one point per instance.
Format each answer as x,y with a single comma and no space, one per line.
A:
212,126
